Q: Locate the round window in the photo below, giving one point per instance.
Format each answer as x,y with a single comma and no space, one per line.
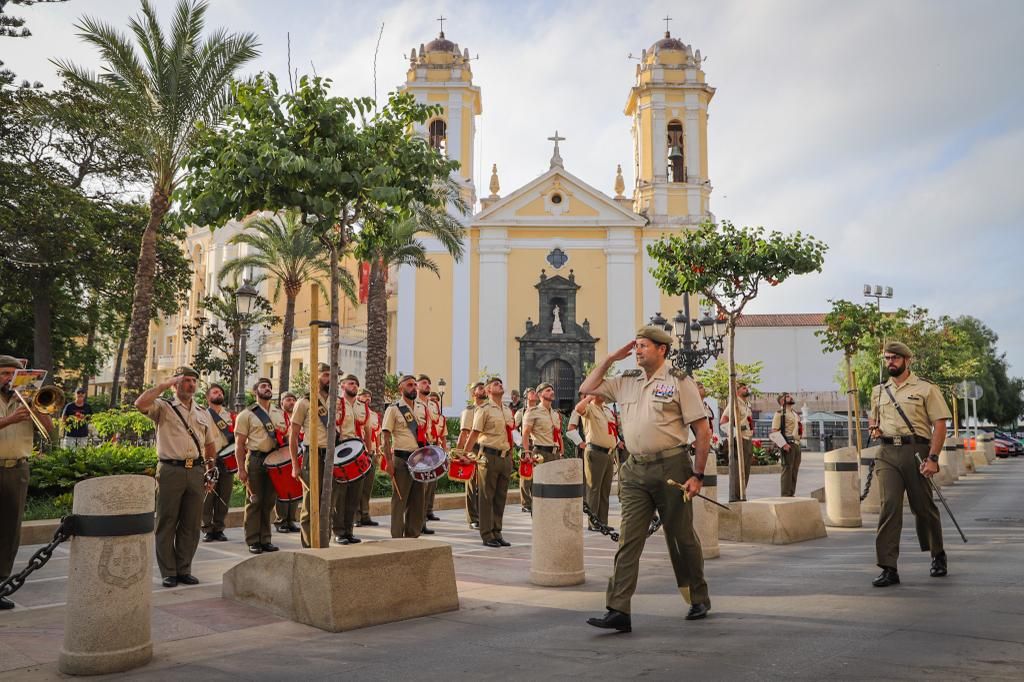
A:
556,198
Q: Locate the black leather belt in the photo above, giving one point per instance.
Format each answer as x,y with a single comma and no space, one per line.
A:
904,440
403,454
544,448
493,451
187,463
591,446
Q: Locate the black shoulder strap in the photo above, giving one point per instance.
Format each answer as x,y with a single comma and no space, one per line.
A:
222,425
899,409
410,419
783,429
195,439
262,415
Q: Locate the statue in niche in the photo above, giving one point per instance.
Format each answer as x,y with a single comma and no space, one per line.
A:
556,328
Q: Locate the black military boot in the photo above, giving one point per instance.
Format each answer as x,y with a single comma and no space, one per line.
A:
613,620
938,565
888,577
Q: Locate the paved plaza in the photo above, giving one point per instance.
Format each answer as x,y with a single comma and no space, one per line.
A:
804,611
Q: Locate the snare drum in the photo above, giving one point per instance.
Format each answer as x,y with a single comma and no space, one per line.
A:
227,460
351,460
428,464
462,472
279,468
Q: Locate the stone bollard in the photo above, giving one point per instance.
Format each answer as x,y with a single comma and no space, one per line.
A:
705,514
107,617
967,461
870,504
986,441
842,494
961,455
949,467
556,557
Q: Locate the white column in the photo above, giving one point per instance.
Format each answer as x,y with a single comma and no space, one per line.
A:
460,332
453,132
620,257
493,314
650,292
405,344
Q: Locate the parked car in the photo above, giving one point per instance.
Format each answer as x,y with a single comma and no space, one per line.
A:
1015,447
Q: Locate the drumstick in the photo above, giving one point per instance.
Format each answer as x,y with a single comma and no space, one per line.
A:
686,495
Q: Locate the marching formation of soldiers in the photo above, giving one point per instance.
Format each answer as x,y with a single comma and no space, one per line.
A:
646,427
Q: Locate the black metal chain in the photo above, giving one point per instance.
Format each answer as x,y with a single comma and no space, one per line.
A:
38,560
867,483
605,529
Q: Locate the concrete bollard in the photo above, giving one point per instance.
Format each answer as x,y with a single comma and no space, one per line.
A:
705,514
986,441
556,557
949,468
842,493
871,503
106,627
967,461
961,454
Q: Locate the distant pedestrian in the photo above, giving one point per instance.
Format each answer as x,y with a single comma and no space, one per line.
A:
76,416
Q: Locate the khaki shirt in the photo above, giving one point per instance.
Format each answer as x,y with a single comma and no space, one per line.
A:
16,439
921,401
466,420
301,414
792,424
654,412
354,411
596,419
519,416
492,420
219,439
257,438
542,422
394,423
437,422
172,439
746,432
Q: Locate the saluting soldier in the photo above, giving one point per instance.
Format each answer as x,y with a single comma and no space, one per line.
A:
301,420
465,427
402,433
16,432
525,494
908,414
215,506
353,422
787,422
492,430
598,467
260,430
658,404
746,427
542,435
286,514
433,419
366,486
184,440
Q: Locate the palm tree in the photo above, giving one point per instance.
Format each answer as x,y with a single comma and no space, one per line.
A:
286,248
389,240
177,84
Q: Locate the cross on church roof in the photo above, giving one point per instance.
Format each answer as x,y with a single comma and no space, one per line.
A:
556,158
666,20
441,19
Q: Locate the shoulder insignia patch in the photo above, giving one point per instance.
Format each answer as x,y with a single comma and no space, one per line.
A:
632,373
677,373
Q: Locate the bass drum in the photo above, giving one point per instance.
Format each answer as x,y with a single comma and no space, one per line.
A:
351,460
428,464
279,468
227,460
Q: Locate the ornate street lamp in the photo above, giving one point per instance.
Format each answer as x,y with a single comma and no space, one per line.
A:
245,297
696,341
441,383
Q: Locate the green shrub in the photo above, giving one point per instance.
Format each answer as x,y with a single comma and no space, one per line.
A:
125,423
57,472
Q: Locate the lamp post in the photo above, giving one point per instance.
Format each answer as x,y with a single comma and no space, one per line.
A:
688,355
245,296
878,292
441,383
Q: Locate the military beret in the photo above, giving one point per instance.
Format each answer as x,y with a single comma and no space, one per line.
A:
542,387
363,391
531,389
287,394
350,377
186,371
422,377
434,395
479,384
897,348
262,380
216,385
323,367
655,334
491,380
11,361
406,377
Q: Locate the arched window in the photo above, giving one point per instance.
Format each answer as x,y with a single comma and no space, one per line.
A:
560,374
439,135
676,161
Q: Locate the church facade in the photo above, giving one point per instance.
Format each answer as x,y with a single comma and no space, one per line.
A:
556,272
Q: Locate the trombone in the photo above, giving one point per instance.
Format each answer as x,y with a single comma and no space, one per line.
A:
48,400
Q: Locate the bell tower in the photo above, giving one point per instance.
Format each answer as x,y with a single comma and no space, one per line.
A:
439,73
668,105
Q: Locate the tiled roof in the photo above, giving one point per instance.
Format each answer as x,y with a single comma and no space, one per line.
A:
782,320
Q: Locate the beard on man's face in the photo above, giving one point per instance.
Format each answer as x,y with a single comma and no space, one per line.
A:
216,399
410,394
896,370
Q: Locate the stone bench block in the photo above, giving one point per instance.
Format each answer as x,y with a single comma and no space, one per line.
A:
978,459
345,588
773,521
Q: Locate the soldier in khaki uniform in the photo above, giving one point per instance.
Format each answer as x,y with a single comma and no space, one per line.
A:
260,430
353,422
184,440
301,418
746,436
286,514
525,494
598,466
16,432
542,435
366,485
787,422
432,428
402,433
492,429
465,427
896,467
658,404
215,505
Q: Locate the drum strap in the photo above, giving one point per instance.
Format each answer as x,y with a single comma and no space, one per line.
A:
224,427
410,421
268,424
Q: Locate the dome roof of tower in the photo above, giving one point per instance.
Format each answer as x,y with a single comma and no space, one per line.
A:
440,44
668,43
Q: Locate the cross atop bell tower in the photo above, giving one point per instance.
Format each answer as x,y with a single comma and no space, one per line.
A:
556,158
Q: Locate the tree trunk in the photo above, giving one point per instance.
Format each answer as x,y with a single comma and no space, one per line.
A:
734,416
142,300
286,340
115,384
332,404
850,388
42,331
90,342
377,334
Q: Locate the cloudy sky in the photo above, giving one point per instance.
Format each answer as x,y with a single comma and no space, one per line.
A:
891,130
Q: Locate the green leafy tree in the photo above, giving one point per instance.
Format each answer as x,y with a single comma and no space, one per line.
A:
166,86
727,266
716,379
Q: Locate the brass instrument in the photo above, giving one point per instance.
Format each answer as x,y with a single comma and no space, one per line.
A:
48,400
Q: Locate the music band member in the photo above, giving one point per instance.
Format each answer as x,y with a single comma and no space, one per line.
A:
215,506
402,433
259,430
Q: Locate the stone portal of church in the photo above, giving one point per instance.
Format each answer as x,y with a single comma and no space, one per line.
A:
556,348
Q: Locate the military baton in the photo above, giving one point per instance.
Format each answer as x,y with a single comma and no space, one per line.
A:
941,498
686,495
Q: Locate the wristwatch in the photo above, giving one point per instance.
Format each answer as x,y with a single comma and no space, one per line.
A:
933,458
699,477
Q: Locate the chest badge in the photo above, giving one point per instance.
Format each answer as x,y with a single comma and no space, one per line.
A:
664,391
